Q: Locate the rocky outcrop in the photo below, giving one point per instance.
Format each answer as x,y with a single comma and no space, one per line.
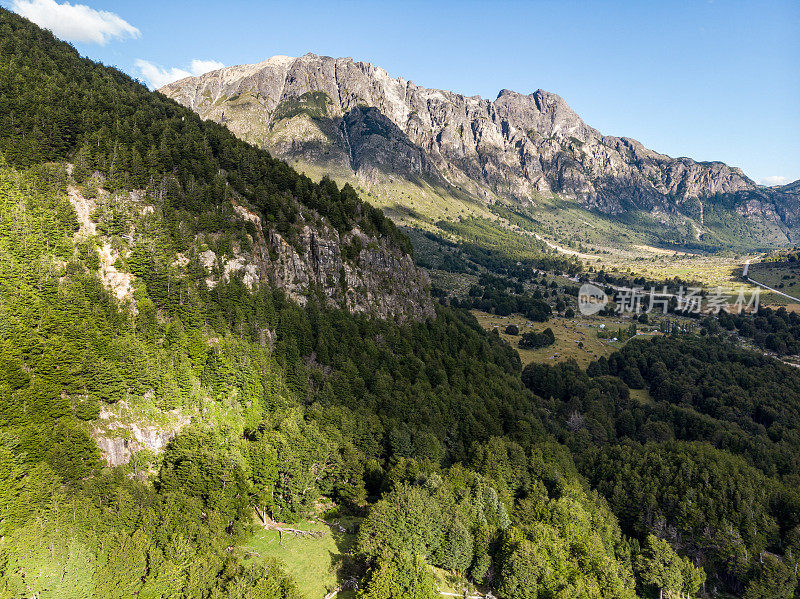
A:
119,283
117,451
337,113
119,438
353,271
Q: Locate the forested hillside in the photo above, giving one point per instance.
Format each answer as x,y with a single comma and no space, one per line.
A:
158,404
309,238
55,105
110,321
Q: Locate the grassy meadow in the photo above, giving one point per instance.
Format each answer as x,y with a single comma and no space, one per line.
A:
576,338
314,562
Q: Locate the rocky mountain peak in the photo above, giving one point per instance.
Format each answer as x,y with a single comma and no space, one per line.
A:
341,114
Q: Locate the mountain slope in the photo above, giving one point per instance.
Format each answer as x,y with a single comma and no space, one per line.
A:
304,237
352,117
793,188
161,401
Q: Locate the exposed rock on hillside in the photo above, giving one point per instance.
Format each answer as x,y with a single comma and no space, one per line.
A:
354,271
120,438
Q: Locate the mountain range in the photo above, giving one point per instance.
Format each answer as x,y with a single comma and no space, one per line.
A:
353,119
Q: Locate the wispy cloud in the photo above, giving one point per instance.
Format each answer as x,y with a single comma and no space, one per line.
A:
200,67
774,180
158,77
75,22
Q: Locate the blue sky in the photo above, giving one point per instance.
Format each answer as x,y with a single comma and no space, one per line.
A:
715,80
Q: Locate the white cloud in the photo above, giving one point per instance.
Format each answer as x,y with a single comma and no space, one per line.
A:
200,67
774,180
75,22
158,77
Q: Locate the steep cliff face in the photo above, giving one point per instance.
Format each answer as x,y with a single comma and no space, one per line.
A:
354,271
341,114
351,270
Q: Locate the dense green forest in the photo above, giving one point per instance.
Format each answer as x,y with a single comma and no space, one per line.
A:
707,459
285,404
543,483
775,330
504,296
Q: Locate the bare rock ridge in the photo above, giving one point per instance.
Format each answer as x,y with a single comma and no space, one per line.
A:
342,114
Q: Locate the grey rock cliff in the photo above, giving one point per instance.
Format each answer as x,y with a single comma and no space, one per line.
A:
354,271
338,113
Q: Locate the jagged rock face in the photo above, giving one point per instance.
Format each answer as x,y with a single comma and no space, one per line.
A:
376,279
353,115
